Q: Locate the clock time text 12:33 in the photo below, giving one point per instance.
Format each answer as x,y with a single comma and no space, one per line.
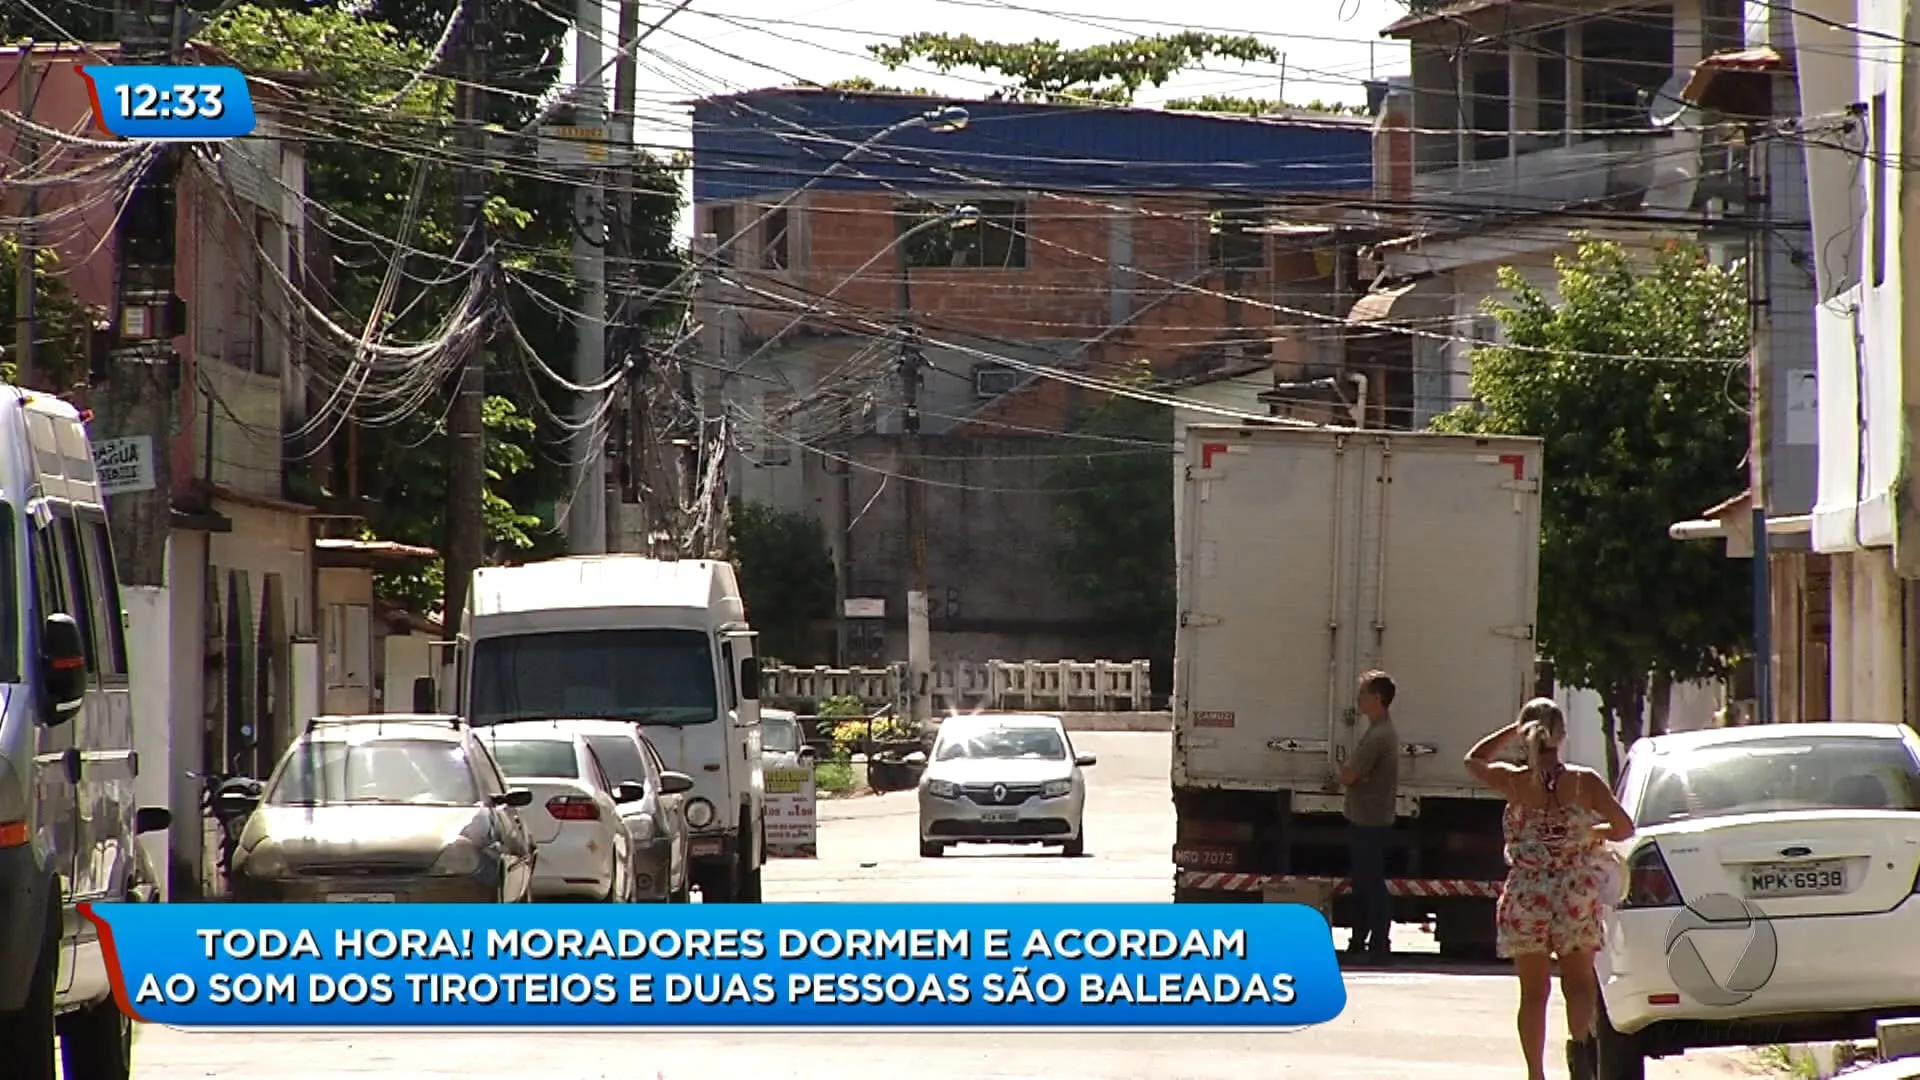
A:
170,104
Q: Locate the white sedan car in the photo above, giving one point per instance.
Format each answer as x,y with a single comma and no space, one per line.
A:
583,850
1003,779
1771,891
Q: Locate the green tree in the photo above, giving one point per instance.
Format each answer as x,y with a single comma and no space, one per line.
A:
1114,510
1219,103
1628,377
64,324
786,576
1046,71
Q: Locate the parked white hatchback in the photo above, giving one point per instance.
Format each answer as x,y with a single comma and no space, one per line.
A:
582,848
1770,890
1003,779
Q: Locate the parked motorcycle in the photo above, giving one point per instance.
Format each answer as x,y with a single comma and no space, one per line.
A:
228,799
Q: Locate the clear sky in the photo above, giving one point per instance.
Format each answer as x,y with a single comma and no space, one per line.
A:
720,46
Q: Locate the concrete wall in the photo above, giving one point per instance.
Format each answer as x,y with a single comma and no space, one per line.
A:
990,542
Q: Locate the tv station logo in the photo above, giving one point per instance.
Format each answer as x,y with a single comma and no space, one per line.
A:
170,104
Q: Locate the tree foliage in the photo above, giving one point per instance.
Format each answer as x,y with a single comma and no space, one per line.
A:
786,576
64,324
1628,377
1047,71
1114,509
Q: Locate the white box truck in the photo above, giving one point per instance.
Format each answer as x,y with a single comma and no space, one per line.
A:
1307,557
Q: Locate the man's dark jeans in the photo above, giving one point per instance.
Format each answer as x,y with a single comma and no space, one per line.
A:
1369,861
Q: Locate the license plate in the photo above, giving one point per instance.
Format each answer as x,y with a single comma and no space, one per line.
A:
360,898
704,847
1797,879
993,816
1206,858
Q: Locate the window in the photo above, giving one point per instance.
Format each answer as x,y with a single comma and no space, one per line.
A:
96,553
728,659
1781,774
521,758
651,676
620,757
485,772
1623,58
1487,113
1879,160
1550,87
414,771
1229,243
996,239
73,578
992,380
774,251
721,222
597,773
268,323
12,610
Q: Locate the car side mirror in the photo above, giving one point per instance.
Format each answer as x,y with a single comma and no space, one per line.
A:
750,679
426,699
1084,760
515,797
808,755
675,783
627,791
152,819
63,662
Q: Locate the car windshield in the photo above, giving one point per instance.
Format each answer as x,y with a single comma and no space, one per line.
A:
536,757
1002,743
619,758
1750,777
779,734
652,676
413,771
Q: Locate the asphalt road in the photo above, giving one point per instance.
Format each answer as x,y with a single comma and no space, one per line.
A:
1398,1025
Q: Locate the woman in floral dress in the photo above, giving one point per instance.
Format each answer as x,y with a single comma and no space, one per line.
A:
1557,821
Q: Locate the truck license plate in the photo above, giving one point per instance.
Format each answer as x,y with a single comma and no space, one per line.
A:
360,898
1797,879
1208,857
704,847
996,816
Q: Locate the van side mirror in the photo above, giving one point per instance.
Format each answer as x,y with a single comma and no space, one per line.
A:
152,819
750,679
675,783
425,699
63,663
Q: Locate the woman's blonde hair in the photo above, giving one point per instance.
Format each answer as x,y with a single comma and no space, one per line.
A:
1543,727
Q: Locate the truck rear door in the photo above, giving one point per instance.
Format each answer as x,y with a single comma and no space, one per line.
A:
1267,566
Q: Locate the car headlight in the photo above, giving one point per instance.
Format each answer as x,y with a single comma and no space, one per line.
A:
699,813
943,789
265,861
1055,789
460,859
640,827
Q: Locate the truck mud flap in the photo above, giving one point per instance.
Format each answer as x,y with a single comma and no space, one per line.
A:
1206,881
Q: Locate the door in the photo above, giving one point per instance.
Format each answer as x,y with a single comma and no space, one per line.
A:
58,763
1266,580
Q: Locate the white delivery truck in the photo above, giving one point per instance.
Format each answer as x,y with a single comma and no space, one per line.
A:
1307,557
661,643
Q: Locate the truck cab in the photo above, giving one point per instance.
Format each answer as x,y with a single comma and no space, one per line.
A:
663,644
69,826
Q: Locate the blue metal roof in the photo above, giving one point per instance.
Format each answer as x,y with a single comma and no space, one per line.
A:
768,142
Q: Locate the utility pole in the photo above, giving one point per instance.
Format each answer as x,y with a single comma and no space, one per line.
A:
1759,214
638,452
143,371
466,436
587,508
919,634
26,298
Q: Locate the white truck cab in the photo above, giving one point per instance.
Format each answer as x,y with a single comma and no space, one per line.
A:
659,643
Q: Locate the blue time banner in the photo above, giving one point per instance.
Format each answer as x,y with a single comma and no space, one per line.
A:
170,104
712,966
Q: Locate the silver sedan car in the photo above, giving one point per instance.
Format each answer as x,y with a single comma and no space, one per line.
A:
1003,779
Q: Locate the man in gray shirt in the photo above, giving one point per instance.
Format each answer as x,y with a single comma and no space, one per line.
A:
1371,777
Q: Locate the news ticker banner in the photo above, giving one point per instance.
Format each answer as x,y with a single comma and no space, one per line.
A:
734,966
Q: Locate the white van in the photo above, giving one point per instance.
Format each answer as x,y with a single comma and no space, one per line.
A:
663,644
69,826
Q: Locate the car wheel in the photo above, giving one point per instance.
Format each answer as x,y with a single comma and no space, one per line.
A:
1077,846
96,1043
26,1036
1620,1055
932,849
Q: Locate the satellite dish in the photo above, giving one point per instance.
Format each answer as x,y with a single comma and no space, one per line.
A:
1674,186
1668,108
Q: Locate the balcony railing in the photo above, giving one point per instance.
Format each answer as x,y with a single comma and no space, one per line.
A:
1586,171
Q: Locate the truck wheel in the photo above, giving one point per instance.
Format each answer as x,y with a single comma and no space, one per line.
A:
26,1036
96,1043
